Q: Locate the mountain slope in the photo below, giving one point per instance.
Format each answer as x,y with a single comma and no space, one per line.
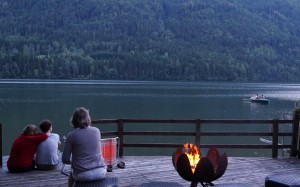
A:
207,40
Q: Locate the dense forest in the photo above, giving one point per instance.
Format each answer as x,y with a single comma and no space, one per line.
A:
186,40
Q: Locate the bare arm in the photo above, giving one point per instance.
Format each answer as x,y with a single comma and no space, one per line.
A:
66,156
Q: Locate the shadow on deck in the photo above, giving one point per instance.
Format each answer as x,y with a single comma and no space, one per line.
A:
142,170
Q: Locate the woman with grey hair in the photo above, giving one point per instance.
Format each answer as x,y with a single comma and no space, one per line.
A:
83,144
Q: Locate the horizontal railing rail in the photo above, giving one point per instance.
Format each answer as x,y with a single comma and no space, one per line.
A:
198,133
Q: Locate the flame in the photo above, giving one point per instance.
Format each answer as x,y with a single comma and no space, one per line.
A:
193,155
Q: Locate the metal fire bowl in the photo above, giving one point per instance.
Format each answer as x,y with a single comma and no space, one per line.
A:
208,169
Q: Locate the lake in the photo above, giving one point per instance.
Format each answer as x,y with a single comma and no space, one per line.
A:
29,101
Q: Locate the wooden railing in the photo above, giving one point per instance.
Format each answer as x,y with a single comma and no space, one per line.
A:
1,144
274,133
198,133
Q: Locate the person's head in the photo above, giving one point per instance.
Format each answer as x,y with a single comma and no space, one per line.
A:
81,118
45,125
29,130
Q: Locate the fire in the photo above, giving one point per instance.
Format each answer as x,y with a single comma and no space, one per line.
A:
193,155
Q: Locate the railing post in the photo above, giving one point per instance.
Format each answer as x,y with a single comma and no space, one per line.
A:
1,146
120,135
295,132
275,139
198,133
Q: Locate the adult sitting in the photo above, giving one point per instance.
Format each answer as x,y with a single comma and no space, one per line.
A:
83,144
21,158
47,151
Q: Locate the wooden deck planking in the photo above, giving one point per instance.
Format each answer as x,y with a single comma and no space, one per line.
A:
145,169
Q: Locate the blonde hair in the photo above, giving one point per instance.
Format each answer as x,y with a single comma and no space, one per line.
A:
81,118
29,130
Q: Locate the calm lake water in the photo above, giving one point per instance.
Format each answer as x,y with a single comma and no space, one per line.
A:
30,101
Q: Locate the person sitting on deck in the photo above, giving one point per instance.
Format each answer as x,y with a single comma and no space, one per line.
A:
83,144
47,151
21,158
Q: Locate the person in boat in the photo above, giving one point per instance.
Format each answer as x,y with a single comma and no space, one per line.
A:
47,151
21,158
83,144
257,96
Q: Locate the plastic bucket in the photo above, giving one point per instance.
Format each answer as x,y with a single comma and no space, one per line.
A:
110,150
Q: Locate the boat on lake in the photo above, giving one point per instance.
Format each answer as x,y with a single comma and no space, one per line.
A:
258,99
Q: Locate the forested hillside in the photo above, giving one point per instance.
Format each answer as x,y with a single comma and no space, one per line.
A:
190,40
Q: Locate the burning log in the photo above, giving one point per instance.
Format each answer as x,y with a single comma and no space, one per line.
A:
191,166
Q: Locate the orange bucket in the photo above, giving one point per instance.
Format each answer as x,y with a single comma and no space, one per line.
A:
110,151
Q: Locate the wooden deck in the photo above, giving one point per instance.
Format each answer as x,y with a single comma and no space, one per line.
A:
150,169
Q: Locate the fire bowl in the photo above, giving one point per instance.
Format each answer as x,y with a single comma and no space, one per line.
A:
204,170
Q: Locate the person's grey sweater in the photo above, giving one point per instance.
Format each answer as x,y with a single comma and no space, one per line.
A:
82,149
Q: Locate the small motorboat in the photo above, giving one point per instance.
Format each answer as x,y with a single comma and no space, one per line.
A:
258,99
